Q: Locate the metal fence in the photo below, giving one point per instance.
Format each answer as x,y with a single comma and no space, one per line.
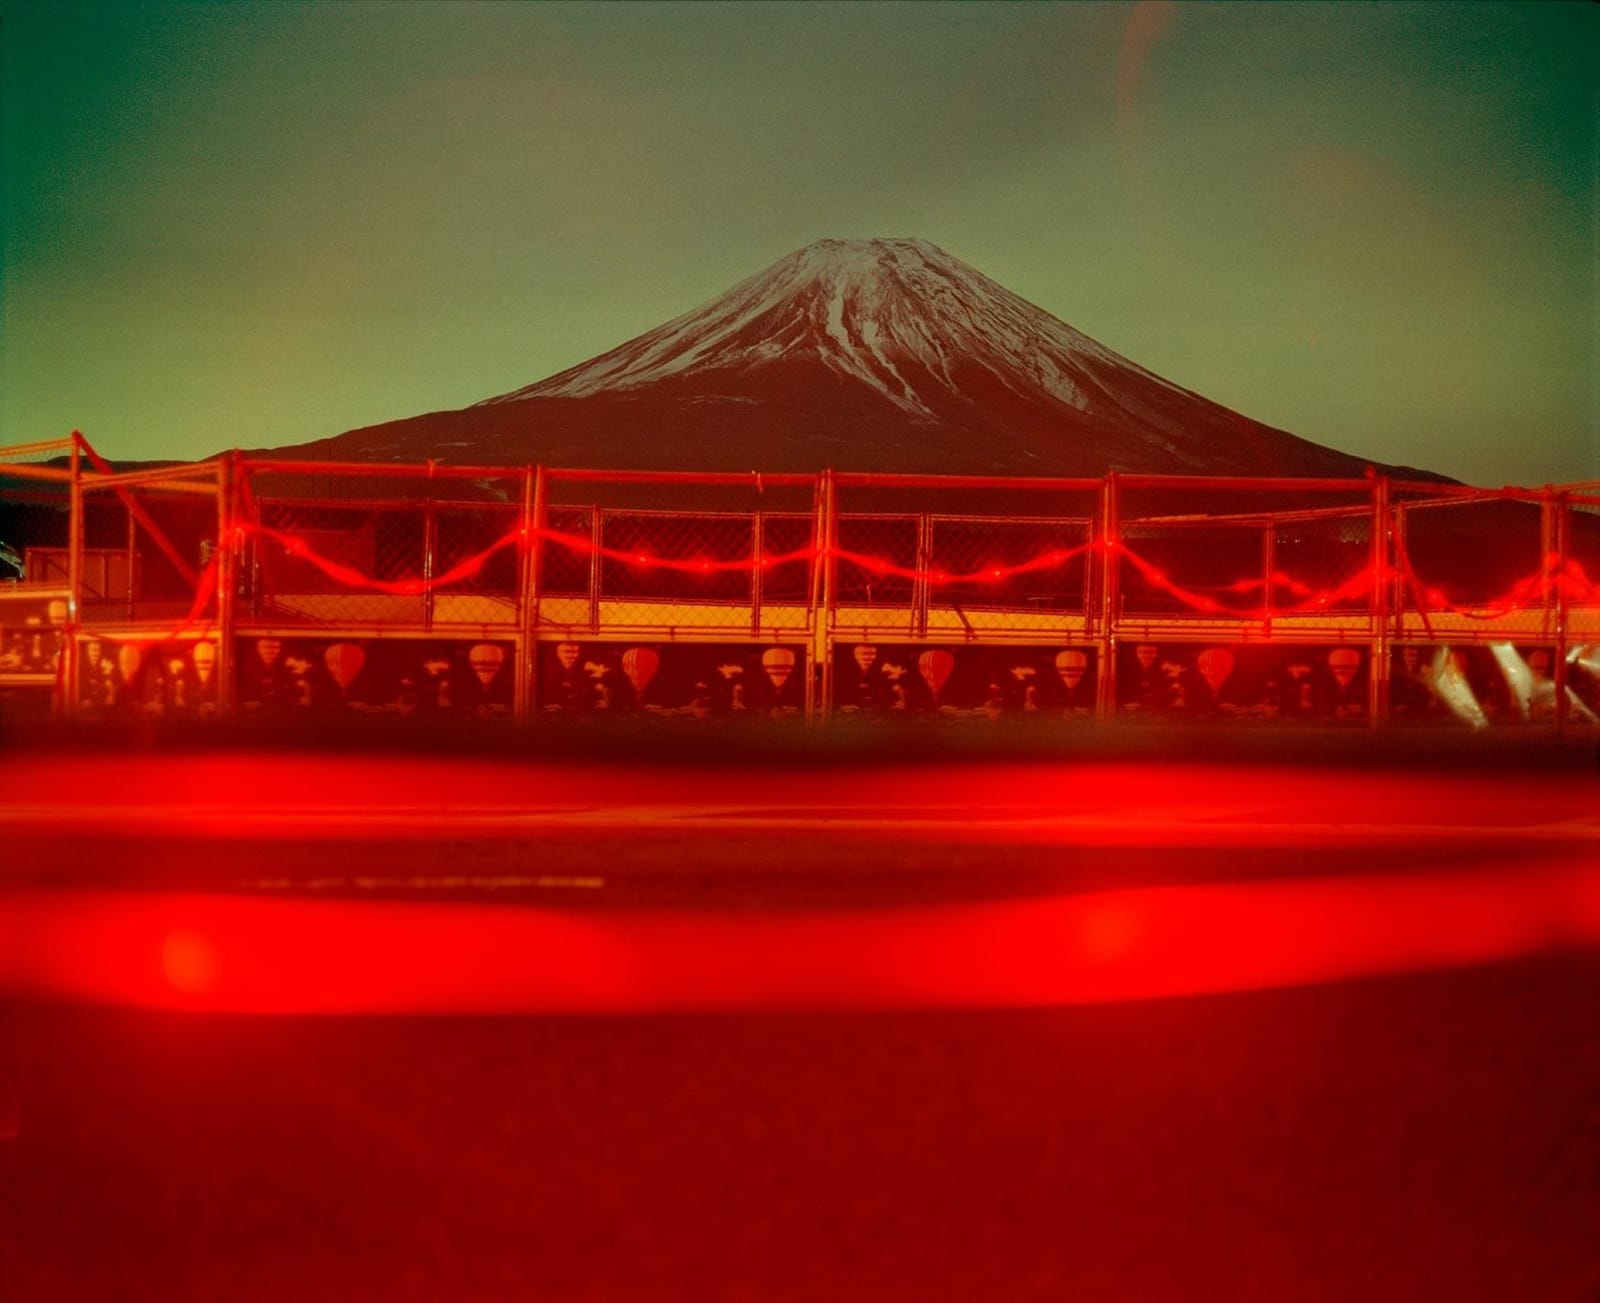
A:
249,585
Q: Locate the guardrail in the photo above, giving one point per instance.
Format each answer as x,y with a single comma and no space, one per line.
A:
260,585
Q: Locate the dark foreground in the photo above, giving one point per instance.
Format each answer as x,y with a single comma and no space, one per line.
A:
1425,1137
877,1029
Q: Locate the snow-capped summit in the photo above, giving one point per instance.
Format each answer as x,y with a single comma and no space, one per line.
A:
885,354
899,316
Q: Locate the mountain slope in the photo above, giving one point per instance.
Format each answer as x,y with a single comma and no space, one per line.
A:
861,355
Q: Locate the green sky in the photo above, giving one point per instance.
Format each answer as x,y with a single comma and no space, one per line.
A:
247,225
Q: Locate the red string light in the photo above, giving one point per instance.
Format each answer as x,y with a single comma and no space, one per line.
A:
205,591
1568,578
353,578
984,574
1358,585
703,566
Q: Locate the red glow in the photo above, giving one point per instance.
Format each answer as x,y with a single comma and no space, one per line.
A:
189,962
301,956
1123,943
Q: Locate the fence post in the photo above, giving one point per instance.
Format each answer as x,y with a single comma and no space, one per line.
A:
825,533
133,561
1108,544
1269,566
430,548
1394,591
1560,507
68,678
922,588
528,592
755,576
596,542
227,473
1378,657
247,509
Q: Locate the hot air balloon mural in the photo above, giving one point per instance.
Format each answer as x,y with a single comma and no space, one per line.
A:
865,656
564,690
485,660
1215,665
1077,696
1345,662
1349,704
639,666
129,657
344,661
778,663
1141,687
1070,667
935,667
205,662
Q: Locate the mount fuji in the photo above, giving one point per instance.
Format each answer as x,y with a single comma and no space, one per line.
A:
863,355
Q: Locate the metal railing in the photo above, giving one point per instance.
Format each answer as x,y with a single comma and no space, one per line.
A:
246,585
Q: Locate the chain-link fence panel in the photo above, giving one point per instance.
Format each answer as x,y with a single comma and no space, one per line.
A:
402,546
1485,556
1583,547
1018,568
476,564
964,558
788,566
682,558
1580,572
702,570
569,566
640,557
1321,561
1189,550
148,553
1192,568
354,564
876,560
112,559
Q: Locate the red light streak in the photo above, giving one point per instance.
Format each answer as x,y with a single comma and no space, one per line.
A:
257,955
204,593
353,578
1568,578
